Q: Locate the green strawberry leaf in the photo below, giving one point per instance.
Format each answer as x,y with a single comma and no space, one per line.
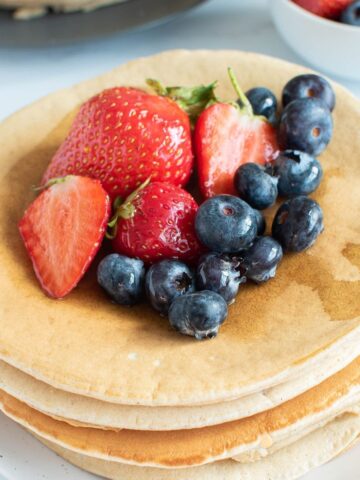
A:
193,100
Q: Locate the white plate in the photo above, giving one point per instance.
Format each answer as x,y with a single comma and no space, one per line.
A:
22,457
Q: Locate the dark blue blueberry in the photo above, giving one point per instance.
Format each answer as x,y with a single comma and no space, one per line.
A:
122,278
351,14
306,125
309,86
298,173
255,186
298,223
167,280
219,273
260,221
198,314
263,102
225,224
261,259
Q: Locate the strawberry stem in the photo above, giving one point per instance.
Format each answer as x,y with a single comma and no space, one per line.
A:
51,182
193,100
157,86
124,210
246,105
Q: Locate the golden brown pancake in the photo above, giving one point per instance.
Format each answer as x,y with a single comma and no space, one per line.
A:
289,463
184,448
75,408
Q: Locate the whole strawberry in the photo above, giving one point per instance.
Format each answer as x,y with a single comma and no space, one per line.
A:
121,137
155,222
325,8
226,136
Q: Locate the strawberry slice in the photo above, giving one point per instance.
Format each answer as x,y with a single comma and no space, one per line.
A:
63,229
226,136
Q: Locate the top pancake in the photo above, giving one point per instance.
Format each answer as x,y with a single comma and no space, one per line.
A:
87,345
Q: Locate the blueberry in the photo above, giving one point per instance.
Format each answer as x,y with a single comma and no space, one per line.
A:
263,102
167,280
198,314
309,86
255,186
219,273
298,172
225,224
351,14
261,259
122,278
306,125
297,223
260,221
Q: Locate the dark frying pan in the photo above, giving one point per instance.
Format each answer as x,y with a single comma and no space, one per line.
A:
66,28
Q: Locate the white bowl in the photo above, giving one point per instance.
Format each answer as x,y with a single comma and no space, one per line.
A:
328,45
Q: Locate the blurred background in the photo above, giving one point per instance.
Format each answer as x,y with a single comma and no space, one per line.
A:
44,54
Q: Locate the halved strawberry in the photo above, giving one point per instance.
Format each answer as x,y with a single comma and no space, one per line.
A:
63,229
226,136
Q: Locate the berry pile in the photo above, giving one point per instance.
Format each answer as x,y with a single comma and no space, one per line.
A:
346,11
189,261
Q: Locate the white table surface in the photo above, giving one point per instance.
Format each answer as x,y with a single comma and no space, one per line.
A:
28,74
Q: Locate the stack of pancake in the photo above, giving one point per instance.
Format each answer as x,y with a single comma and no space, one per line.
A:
117,392
28,9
